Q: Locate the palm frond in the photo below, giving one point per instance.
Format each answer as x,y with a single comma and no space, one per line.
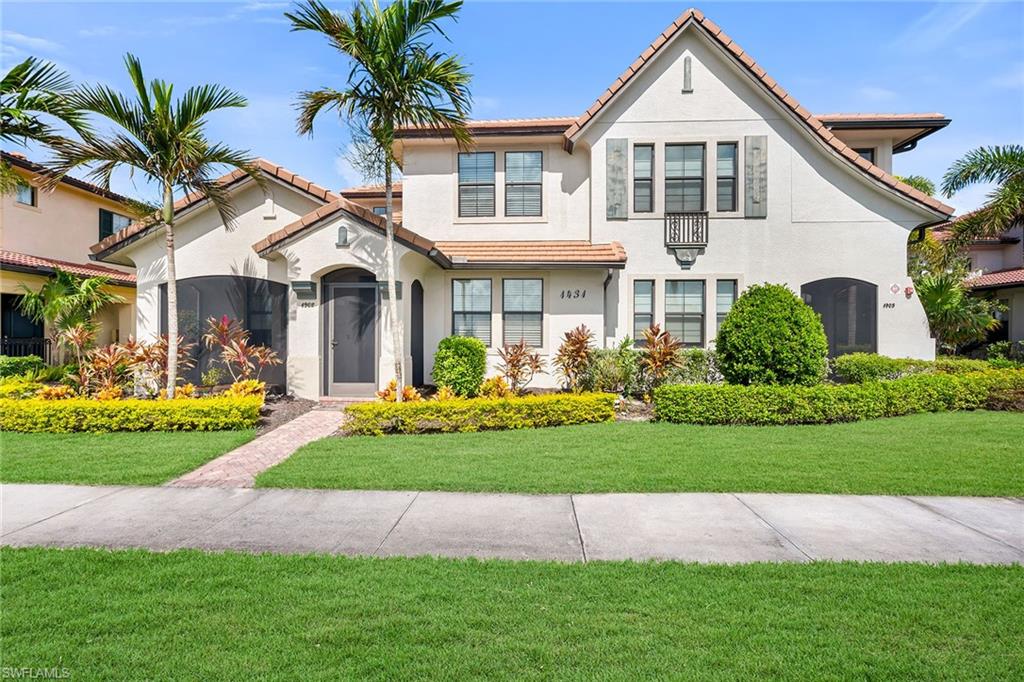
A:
995,164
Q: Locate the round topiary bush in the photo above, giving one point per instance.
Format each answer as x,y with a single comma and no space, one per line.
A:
460,364
772,337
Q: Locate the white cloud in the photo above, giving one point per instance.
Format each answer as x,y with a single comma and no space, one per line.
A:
933,29
30,42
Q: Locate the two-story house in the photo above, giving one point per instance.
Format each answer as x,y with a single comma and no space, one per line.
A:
693,176
43,230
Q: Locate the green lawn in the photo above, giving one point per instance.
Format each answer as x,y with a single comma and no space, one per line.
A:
110,458
960,453
189,615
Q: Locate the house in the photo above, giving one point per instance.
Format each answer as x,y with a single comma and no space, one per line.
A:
693,176
996,266
44,230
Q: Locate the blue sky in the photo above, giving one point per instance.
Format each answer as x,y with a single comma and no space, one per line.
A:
553,59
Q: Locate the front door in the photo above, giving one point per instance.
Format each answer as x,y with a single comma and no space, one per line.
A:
352,339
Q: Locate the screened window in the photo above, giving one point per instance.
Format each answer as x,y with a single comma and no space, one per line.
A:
643,178
868,154
476,184
471,309
523,171
725,296
26,194
523,311
726,170
684,311
849,313
111,222
684,178
643,308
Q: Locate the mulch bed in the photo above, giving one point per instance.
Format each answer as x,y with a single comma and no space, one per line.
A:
281,409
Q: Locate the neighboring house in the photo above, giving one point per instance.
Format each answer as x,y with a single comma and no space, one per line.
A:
694,176
996,268
41,231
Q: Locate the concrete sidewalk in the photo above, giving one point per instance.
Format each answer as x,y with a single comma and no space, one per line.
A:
703,527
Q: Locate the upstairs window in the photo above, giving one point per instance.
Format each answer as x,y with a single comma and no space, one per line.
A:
684,311
111,222
726,171
867,153
523,172
476,184
471,309
522,303
643,178
684,178
26,195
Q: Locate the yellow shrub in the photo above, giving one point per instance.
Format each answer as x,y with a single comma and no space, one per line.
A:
495,387
247,387
184,391
19,388
446,393
389,394
114,393
59,392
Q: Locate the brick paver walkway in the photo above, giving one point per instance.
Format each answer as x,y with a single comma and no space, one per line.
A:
239,468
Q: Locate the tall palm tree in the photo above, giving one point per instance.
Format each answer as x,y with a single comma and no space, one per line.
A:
396,79
29,93
1001,165
164,140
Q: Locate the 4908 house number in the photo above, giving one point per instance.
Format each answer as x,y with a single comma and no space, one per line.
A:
573,293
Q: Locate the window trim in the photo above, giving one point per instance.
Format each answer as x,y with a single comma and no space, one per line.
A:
33,194
493,184
490,311
504,326
703,314
638,342
113,214
703,176
649,179
539,184
735,177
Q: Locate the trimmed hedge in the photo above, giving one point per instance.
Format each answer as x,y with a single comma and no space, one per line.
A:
767,405
857,368
479,414
12,366
460,364
101,416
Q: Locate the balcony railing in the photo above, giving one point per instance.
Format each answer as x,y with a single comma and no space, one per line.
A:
26,346
686,229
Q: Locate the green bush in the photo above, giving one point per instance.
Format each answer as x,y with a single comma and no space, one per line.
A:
18,389
772,337
11,366
479,414
951,365
696,366
857,368
613,370
766,405
460,364
100,416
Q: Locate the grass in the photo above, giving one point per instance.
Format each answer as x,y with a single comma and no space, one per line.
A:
958,453
189,615
121,458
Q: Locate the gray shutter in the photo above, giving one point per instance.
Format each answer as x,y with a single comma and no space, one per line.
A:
615,178
755,176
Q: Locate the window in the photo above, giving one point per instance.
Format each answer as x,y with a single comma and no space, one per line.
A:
471,309
476,184
684,310
643,178
111,222
868,154
725,296
643,308
522,303
380,210
684,178
26,195
727,168
523,172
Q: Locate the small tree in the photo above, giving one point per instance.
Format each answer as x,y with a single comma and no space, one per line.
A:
772,337
573,356
659,355
955,316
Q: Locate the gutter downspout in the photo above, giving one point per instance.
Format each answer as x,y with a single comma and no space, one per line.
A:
604,307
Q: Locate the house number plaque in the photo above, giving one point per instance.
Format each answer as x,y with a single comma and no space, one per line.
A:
573,293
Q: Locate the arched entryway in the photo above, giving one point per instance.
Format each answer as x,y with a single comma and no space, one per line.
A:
416,331
849,311
349,348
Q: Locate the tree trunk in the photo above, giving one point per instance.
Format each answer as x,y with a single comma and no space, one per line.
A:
172,293
389,258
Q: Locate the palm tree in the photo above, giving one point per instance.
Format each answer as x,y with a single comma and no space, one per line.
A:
955,316
918,182
396,79
1001,165
164,140
66,301
29,91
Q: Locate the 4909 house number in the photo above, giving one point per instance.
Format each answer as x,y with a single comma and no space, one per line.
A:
573,293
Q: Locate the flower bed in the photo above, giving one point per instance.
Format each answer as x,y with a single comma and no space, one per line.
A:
479,414
825,403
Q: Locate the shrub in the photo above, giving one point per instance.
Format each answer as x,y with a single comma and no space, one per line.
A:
460,364
951,365
480,414
696,366
518,365
17,389
189,391
101,416
659,356
772,337
12,366
390,394
496,387
246,387
573,356
446,393
613,370
857,368
212,377
61,392
765,405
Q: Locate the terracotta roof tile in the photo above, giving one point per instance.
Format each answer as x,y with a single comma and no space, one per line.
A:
370,191
540,252
999,278
47,265
505,126
19,160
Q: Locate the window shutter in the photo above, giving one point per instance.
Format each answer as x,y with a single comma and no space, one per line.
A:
755,177
615,178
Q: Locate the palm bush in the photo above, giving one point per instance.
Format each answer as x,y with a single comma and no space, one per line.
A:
955,316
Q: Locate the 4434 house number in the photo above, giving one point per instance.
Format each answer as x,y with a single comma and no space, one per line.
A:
573,293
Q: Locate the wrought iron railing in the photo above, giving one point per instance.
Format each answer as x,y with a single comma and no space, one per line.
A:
27,346
686,229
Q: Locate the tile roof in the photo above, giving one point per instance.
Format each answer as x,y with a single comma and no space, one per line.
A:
998,279
813,123
481,253
503,126
861,117
944,232
17,159
25,262
370,191
119,239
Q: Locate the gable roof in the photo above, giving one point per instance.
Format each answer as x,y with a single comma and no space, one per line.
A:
371,191
694,17
23,262
19,161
